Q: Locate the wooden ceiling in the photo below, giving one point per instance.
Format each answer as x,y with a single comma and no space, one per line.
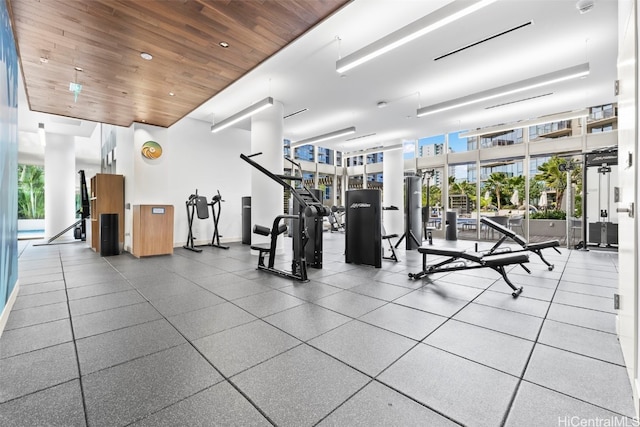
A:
104,38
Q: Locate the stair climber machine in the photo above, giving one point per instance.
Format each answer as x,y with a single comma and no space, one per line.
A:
310,211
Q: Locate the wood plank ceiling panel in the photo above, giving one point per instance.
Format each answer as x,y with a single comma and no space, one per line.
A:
104,38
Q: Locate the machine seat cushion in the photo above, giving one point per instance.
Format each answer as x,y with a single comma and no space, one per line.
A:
543,245
389,236
440,251
262,247
519,240
505,259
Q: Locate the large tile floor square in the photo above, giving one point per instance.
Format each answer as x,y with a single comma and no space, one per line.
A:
310,386
442,381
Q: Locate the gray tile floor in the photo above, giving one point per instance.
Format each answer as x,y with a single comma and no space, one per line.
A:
206,339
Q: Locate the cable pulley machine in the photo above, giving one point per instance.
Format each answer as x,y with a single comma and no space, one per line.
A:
310,207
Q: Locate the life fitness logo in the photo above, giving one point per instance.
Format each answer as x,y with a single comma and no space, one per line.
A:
360,205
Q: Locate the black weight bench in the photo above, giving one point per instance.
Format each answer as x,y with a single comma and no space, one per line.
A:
536,248
459,260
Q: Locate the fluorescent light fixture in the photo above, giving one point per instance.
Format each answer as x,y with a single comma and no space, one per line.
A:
326,136
574,72
526,123
439,18
372,150
247,112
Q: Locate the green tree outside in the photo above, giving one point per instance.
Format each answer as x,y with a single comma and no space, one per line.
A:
495,183
30,192
556,179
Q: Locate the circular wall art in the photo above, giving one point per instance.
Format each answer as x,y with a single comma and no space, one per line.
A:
151,150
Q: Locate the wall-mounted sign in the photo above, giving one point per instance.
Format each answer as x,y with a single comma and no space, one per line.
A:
151,150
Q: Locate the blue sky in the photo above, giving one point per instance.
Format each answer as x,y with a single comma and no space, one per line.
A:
456,143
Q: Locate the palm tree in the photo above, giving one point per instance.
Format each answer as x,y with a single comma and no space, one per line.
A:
435,195
516,183
535,189
554,178
495,183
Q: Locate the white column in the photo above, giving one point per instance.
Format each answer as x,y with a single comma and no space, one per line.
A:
267,195
59,184
393,194
364,171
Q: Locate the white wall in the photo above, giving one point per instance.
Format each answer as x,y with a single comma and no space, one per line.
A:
124,167
151,175
90,161
393,194
628,183
199,159
59,184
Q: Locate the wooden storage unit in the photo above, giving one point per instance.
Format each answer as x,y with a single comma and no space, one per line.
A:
107,196
152,230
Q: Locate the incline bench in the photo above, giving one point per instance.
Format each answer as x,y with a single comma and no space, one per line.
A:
536,248
459,260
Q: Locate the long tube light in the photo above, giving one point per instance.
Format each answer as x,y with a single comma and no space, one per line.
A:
439,18
526,123
247,112
324,137
574,72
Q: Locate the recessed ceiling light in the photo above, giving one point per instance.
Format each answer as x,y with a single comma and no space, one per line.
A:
172,94
44,60
78,69
146,56
584,6
224,44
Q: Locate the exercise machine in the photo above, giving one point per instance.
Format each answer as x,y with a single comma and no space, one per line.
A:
196,205
427,231
216,201
387,237
456,260
313,227
507,233
310,207
336,218
496,258
599,173
363,236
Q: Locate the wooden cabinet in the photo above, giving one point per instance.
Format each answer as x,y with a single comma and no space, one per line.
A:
152,230
106,197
